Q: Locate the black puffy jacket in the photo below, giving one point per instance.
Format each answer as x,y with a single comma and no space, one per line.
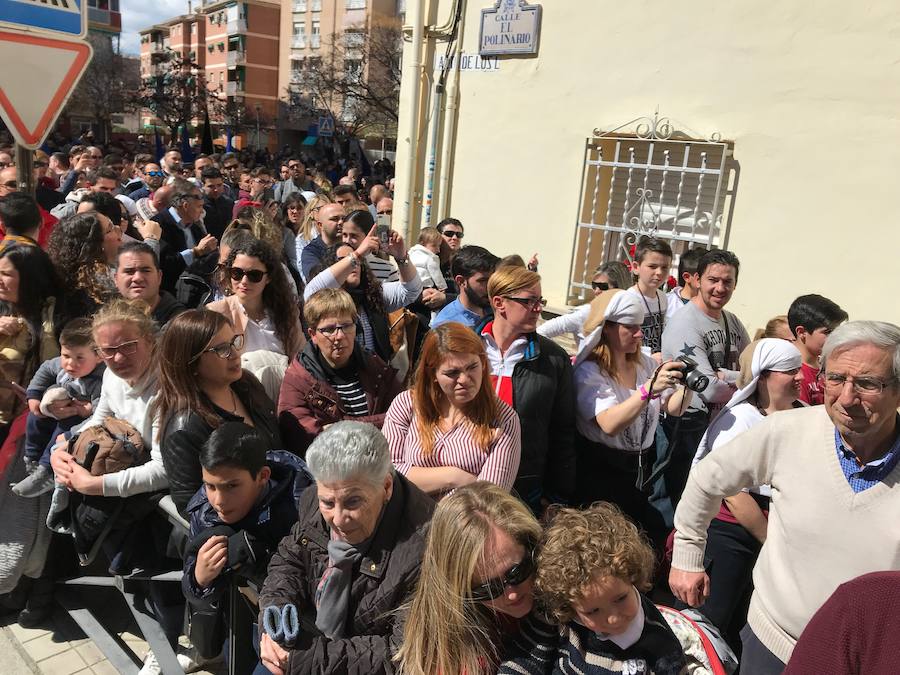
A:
186,432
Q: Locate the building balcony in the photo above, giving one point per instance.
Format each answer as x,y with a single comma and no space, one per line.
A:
236,26
299,42
315,41
234,88
236,58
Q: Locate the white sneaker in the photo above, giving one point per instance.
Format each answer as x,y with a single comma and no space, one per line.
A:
151,665
191,662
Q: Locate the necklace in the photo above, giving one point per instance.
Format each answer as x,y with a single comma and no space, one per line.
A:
234,405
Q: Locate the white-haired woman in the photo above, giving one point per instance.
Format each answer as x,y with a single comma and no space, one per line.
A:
620,392
738,532
351,559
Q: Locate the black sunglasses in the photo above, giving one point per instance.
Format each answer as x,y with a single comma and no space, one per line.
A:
600,285
517,574
452,233
238,273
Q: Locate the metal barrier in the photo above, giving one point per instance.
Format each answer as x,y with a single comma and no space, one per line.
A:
241,656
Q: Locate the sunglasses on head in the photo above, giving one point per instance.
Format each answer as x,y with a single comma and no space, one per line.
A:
600,285
515,575
238,273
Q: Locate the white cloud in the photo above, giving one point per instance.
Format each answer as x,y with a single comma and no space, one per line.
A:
138,14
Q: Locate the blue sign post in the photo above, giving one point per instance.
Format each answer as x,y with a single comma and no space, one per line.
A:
326,126
58,17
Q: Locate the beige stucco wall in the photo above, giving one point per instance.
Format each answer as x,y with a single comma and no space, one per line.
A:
807,92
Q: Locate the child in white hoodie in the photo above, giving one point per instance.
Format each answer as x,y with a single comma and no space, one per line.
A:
424,256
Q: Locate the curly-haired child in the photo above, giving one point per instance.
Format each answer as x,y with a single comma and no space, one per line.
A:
592,568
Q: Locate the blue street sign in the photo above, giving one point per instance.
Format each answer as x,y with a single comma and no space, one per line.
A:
326,126
61,17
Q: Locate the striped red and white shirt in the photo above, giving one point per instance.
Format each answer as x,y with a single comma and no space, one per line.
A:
457,447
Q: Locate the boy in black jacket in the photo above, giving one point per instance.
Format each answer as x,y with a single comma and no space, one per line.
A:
248,502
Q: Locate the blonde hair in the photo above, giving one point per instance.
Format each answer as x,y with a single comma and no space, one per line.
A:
307,227
329,302
602,354
509,279
135,312
430,235
773,326
579,546
445,630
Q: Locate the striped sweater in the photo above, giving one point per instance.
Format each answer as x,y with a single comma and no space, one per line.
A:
498,463
541,649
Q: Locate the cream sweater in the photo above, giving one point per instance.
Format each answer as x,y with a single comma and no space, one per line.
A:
820,533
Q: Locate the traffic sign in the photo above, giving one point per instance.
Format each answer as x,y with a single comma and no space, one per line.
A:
61,17
326,126
39,77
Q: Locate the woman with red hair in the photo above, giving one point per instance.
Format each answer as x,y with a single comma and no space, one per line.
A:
450,429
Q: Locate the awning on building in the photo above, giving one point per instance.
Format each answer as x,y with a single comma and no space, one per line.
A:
310,140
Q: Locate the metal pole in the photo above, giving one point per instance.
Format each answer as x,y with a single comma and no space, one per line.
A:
25,167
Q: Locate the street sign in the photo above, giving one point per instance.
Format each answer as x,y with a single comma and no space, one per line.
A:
39,76
59,17
326,126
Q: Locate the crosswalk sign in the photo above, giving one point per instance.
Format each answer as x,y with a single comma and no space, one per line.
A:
57,17
326,126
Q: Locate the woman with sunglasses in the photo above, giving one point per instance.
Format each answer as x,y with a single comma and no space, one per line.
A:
475,584
345,266
259,301
201,386
608,275
450,429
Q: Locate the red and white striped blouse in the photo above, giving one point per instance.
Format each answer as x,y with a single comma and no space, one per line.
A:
456,447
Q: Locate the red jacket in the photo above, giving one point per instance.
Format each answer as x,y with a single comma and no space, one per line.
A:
307,401
48,222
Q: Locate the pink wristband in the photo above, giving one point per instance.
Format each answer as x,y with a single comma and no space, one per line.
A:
644,393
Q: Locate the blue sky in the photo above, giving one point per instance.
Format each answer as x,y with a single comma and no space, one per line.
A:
137,14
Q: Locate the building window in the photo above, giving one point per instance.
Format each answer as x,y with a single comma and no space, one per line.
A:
299,6
653,181
299,41
356,4
315,36
316,5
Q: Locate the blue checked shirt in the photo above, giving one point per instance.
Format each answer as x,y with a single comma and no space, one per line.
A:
865,476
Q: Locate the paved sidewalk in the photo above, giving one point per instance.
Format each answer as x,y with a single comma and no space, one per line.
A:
59,647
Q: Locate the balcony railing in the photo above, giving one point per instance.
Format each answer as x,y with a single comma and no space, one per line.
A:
236,57
314,41
299,42
237,26
234,88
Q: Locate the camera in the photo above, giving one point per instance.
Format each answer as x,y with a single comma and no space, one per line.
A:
691,376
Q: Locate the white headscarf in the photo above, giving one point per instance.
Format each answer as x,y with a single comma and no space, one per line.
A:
769,354
621,307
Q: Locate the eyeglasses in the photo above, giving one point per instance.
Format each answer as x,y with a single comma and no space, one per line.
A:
517,574
600,285
125,349
4,165
156,174
533,304
867,386
225,350
345,328
238,273
452,233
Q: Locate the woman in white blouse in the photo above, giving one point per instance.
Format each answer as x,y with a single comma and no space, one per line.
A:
620,393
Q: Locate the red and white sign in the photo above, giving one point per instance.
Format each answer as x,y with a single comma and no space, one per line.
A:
38,76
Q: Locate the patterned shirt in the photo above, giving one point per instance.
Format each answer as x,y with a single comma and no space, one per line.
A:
498,463
862,477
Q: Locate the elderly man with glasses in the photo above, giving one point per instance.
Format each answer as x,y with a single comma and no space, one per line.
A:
835,482
184,238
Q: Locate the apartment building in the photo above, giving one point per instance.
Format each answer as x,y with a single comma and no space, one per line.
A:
309,28
235,45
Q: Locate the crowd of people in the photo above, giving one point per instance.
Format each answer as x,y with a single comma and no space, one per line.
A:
386,440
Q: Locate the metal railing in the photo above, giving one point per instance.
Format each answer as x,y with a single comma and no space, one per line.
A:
299,42
236,57
236,26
